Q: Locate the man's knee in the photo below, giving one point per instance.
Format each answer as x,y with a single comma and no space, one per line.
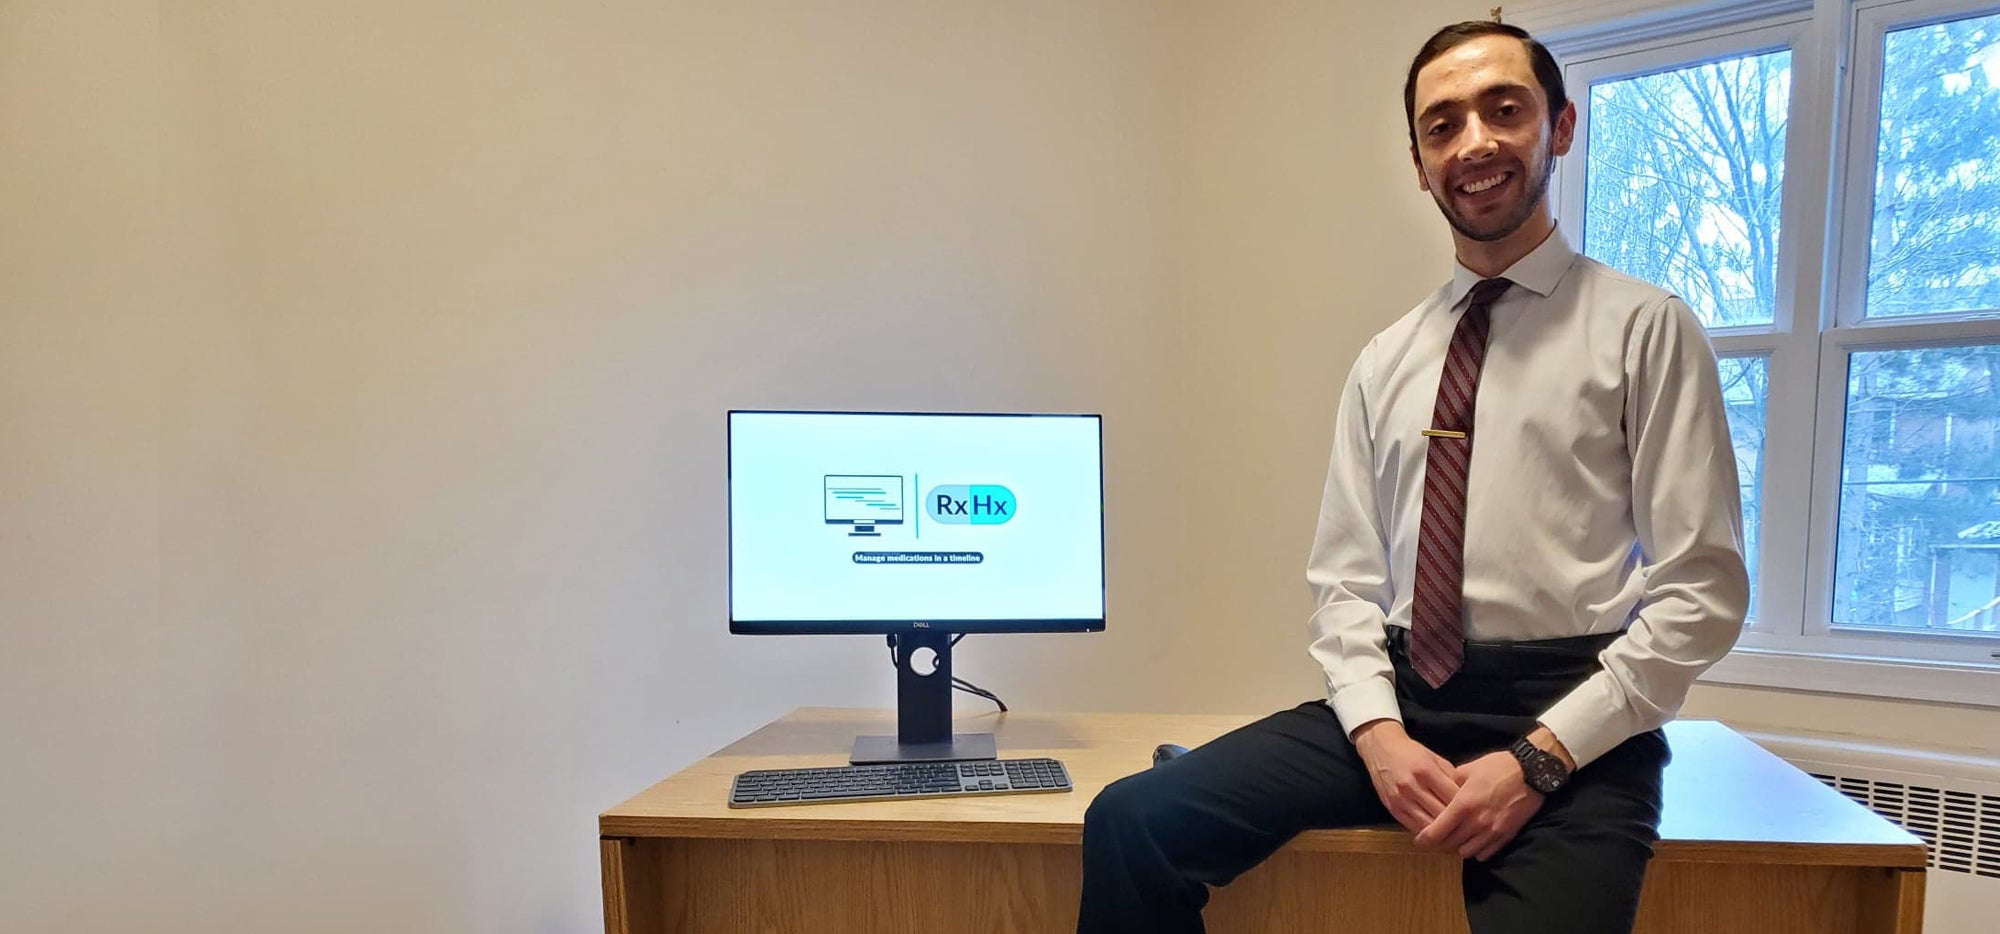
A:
1135,802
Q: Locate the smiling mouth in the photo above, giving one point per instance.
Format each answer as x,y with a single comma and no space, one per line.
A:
1484,184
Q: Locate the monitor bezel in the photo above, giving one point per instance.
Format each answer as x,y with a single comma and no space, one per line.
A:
876,627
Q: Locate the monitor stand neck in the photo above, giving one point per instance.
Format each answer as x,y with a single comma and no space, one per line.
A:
923,709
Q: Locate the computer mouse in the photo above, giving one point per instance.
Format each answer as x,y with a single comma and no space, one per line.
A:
1167,752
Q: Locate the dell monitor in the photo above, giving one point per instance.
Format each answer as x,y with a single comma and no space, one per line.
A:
920,527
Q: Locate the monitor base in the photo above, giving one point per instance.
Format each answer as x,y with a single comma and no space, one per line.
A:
875,750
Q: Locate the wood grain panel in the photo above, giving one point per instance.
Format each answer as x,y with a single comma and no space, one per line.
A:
634,902
1717,898
841,887
1295,891
1301,890
611,859
1892,900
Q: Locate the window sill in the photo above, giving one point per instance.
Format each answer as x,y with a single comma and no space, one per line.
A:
1946,682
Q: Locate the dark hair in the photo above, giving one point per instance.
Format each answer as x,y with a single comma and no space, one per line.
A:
1547,72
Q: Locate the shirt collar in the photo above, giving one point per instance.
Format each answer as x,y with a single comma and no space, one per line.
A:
1539,272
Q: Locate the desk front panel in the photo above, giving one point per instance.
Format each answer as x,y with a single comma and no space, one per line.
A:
727,886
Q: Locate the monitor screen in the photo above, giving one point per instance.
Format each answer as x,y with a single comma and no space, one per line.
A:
843,522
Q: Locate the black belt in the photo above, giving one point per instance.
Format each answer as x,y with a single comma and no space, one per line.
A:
1523,657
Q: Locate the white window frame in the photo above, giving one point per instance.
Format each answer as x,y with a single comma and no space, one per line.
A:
1821,276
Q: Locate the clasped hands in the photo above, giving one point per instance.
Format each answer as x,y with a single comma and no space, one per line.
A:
1472,809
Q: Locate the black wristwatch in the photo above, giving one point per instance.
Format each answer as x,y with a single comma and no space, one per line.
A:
1544,771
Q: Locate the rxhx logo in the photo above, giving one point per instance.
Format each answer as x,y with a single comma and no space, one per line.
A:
974,504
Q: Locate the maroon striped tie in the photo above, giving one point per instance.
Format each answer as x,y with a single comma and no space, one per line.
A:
1437,629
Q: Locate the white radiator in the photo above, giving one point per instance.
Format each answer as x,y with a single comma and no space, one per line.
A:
1950,799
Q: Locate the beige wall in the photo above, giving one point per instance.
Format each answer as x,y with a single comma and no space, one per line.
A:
362,370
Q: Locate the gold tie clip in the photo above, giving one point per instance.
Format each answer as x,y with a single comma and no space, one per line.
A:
1441,433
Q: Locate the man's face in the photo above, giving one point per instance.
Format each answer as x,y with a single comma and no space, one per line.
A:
1485,149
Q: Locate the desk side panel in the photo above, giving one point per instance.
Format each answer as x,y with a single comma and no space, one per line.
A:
634,900
1892,901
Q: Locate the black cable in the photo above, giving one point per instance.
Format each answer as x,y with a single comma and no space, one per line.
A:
957,683
968,687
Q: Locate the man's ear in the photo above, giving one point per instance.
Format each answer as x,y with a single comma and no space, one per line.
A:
1423,183
1565,129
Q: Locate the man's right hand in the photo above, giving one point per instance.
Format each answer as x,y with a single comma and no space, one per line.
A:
1413,782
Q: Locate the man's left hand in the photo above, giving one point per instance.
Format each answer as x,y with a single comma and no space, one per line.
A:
1493,803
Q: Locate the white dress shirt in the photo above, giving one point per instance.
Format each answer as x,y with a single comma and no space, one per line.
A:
1603,495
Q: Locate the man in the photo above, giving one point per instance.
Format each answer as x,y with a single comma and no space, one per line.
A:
1528,547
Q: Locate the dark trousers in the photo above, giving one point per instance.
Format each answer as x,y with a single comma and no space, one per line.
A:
1153,842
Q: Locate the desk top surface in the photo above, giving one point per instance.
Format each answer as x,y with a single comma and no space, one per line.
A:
1727,799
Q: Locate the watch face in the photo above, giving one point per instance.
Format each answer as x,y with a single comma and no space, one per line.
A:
1543,771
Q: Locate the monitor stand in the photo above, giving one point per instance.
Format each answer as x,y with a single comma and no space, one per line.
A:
923,710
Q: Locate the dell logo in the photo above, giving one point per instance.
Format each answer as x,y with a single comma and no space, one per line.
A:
975,504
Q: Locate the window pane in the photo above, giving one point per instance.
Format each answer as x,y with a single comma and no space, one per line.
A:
1935,244
1745,388
1683,182
1919,544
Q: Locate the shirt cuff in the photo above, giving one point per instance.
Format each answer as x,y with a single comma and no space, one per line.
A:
1365,701
1591,720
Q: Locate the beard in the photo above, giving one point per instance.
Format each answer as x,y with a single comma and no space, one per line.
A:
1510,220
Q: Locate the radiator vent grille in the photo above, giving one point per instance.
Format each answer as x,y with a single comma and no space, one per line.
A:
1960,828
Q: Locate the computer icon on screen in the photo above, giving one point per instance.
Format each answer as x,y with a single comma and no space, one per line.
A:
863,501
956,523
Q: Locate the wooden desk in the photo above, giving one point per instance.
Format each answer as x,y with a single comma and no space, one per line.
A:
1750,845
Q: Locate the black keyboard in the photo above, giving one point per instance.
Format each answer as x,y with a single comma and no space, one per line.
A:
774,787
